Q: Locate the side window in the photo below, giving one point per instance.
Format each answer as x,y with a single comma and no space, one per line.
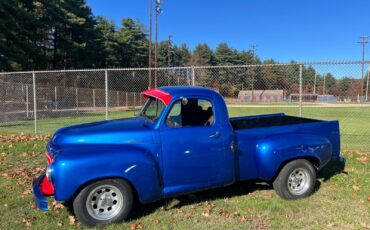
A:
190,112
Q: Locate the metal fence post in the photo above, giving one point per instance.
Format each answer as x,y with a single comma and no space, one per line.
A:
106,94
27,101
94,100
134,100
126,100
34,100
56,98
192,76
77,100
300,90
117,98
367,84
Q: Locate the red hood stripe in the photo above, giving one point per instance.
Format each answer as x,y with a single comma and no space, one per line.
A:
159,94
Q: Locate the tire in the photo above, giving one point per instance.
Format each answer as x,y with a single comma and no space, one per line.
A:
296,180
103,202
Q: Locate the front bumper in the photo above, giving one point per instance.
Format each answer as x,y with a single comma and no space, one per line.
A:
41,188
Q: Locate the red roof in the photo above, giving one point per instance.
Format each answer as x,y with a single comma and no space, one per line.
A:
159,94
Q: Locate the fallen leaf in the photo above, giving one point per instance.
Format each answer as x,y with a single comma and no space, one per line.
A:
329,225
72,220
364,225
136,226
363,159
27,192
26,222
205,213
57,205
243,219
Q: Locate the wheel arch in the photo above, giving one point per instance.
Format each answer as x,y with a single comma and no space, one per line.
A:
313,160
89,182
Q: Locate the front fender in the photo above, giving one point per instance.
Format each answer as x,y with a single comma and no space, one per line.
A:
274,151
74,168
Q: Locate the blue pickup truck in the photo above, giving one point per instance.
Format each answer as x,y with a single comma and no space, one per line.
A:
181,142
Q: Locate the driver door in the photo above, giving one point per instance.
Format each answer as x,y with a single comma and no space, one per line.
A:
193,152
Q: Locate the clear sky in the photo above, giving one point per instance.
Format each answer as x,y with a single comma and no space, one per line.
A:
285,30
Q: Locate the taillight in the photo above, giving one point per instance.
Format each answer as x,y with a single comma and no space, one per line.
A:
48,158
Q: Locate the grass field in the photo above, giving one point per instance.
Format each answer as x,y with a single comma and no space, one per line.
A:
354,121
342,200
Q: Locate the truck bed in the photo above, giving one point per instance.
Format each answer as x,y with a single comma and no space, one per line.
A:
286,136
270,120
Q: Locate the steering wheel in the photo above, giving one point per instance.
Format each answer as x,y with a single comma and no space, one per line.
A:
170,122
209,121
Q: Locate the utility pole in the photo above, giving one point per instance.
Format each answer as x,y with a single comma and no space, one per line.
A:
150,42
169,50
323,89
363,41
158,10
314,84
367,84
169,57
253,49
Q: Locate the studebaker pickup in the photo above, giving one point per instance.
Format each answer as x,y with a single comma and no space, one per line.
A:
182,141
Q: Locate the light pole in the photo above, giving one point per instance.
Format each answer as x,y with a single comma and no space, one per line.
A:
363,41
323,89
150,42
314,84
253,49
158,10
367,84
169,47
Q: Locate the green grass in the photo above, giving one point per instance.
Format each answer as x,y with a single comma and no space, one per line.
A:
342,200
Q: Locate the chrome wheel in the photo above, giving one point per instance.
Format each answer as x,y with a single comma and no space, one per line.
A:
299,181
104,202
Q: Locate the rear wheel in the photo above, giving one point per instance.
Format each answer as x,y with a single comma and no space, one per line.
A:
296,180
103,202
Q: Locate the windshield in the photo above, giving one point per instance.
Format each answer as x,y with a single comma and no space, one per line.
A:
152,109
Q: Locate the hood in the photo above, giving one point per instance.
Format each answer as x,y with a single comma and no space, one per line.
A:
113,132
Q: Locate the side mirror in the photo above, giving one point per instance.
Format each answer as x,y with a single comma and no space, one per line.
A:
184,101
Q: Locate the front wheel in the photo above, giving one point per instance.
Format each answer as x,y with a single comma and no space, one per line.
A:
103,202
296,180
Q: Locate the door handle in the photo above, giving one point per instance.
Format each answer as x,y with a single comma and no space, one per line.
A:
215,135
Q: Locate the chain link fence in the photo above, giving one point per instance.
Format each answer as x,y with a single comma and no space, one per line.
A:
43,101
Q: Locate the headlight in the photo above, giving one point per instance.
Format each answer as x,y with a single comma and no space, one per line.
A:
48,173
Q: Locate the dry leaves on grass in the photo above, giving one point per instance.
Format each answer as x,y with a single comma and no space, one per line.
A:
72,220
364,225
136,226
22,138
207,209
57,205
363,159
356,152
23,174
27,221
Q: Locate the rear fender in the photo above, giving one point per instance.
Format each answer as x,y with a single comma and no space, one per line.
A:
273,152
138,167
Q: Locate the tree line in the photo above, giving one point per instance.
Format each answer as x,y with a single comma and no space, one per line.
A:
52,34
